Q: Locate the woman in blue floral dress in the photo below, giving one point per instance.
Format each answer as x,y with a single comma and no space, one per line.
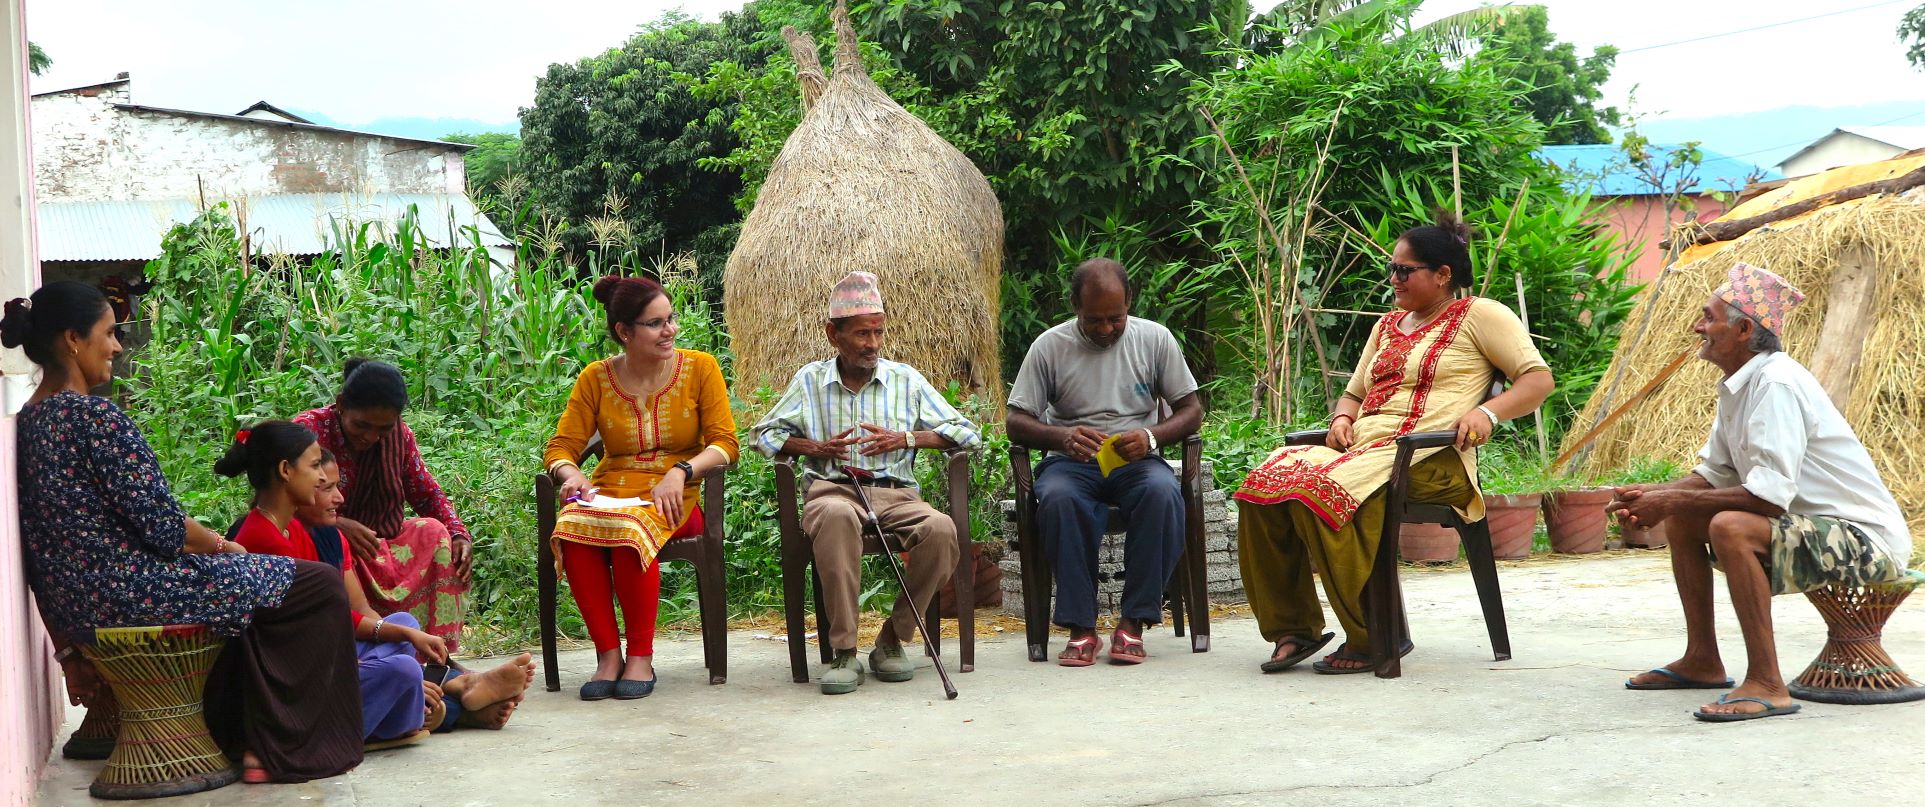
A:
108,546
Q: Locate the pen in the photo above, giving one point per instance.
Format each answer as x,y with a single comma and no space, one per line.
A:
578,497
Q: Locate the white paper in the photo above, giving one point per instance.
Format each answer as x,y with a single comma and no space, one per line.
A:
614,502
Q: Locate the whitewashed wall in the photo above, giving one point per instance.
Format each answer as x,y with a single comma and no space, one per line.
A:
89,147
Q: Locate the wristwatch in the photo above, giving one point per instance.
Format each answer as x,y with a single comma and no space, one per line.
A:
60,656
688,471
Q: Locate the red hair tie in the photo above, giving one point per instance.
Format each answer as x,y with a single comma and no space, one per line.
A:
242,435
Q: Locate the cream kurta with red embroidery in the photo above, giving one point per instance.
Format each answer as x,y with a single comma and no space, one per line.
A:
1421,381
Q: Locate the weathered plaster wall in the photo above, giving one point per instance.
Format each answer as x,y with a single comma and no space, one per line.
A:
91,147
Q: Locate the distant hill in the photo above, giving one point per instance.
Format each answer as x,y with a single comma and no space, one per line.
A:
419,128
1768,137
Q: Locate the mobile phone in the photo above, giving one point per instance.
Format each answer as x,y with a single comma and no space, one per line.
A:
435,672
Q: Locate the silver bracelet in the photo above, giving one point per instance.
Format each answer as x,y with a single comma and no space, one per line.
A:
1152,436
1495,420
377,628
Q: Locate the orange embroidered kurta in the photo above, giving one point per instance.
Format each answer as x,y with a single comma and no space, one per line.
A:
642,438
1409,382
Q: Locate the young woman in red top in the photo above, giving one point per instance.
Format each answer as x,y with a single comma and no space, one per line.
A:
282,461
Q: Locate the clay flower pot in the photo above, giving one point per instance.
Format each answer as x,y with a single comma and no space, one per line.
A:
1427,543
1513,522
1640,539
1576,520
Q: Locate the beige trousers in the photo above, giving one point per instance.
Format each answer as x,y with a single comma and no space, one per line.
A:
832,518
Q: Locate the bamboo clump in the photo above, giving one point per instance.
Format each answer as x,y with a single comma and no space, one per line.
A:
863,184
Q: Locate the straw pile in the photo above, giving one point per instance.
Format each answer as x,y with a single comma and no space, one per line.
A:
1880,381
863,184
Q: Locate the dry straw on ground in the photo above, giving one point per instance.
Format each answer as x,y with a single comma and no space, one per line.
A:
863,184
1886,401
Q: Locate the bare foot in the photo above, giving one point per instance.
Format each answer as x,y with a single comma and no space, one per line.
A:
491,717
1776,696
498,684
1689,669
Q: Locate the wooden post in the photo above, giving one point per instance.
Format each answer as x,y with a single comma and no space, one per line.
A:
1524,314
1851,314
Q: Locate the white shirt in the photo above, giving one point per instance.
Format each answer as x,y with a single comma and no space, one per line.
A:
1778,435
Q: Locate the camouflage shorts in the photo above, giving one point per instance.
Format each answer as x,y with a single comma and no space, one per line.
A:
1809,552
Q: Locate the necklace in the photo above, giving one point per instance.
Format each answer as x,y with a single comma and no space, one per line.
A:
1424,317
644,386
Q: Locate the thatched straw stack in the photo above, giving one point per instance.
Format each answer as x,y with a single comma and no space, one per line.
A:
1884,397
863,184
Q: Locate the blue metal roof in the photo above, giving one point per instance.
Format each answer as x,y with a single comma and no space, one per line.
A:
1605,170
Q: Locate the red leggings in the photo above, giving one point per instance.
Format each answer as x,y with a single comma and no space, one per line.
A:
598,576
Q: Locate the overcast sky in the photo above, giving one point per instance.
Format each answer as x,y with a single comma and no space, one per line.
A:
359,60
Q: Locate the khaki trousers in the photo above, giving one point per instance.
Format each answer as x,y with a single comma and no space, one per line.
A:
832,518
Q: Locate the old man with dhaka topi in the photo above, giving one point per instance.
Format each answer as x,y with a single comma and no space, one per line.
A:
1105,376
1784,499
863,411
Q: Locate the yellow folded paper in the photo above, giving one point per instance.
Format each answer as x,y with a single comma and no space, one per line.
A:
1107,459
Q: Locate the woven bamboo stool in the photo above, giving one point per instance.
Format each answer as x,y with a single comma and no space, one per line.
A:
1853,667
94,739
163,748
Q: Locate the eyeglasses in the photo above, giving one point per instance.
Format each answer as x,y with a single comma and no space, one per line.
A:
658,323
1403,271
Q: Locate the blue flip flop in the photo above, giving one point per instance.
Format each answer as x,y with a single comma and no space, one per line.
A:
1678,682
1770,710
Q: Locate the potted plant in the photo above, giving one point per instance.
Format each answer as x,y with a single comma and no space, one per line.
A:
1427,543
1646,471
1574,516
1513,486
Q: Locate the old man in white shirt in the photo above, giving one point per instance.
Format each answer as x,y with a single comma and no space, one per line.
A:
1785,498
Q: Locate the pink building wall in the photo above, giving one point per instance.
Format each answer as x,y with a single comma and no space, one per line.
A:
1641,221
31,708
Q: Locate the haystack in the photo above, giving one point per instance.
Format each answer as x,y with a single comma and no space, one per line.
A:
1861,332
863,184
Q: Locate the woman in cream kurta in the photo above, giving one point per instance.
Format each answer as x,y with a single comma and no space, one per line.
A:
1427,367
663,416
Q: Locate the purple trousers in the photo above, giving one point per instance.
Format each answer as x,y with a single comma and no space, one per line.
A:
391,697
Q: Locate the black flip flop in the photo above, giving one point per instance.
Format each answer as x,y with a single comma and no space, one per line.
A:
1303,652
1677,682
1326,668
1770,710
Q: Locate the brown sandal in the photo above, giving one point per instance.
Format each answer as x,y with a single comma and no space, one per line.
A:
1121,643
1080,652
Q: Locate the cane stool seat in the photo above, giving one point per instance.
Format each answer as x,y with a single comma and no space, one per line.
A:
1853,667
158,674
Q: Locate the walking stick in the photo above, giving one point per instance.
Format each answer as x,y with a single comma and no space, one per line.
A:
856,475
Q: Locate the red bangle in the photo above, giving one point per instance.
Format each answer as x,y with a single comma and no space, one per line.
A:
1333,418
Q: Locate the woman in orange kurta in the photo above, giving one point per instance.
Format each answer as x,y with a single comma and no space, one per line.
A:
1427,367
663,416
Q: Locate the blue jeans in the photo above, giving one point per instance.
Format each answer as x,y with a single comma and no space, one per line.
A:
1073,501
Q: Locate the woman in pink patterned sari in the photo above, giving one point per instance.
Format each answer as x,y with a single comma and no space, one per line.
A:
419,565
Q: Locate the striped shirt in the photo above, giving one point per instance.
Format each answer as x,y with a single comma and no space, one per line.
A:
817,407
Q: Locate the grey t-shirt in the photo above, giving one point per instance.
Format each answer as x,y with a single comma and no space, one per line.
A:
1067,381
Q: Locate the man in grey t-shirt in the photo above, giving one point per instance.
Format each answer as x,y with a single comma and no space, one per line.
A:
1105,373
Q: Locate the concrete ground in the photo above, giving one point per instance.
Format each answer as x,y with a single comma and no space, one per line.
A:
1553,726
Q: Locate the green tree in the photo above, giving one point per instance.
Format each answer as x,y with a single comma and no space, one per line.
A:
615,145
1911,32
1323,144
496,157
1564,89
37,59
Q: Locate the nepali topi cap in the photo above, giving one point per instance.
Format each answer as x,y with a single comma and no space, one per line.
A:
1763,296
855,295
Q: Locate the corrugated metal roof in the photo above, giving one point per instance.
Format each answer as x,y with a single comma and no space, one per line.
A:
1603,170
294,224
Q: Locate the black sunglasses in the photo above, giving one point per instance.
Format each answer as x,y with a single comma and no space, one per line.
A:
1403,271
